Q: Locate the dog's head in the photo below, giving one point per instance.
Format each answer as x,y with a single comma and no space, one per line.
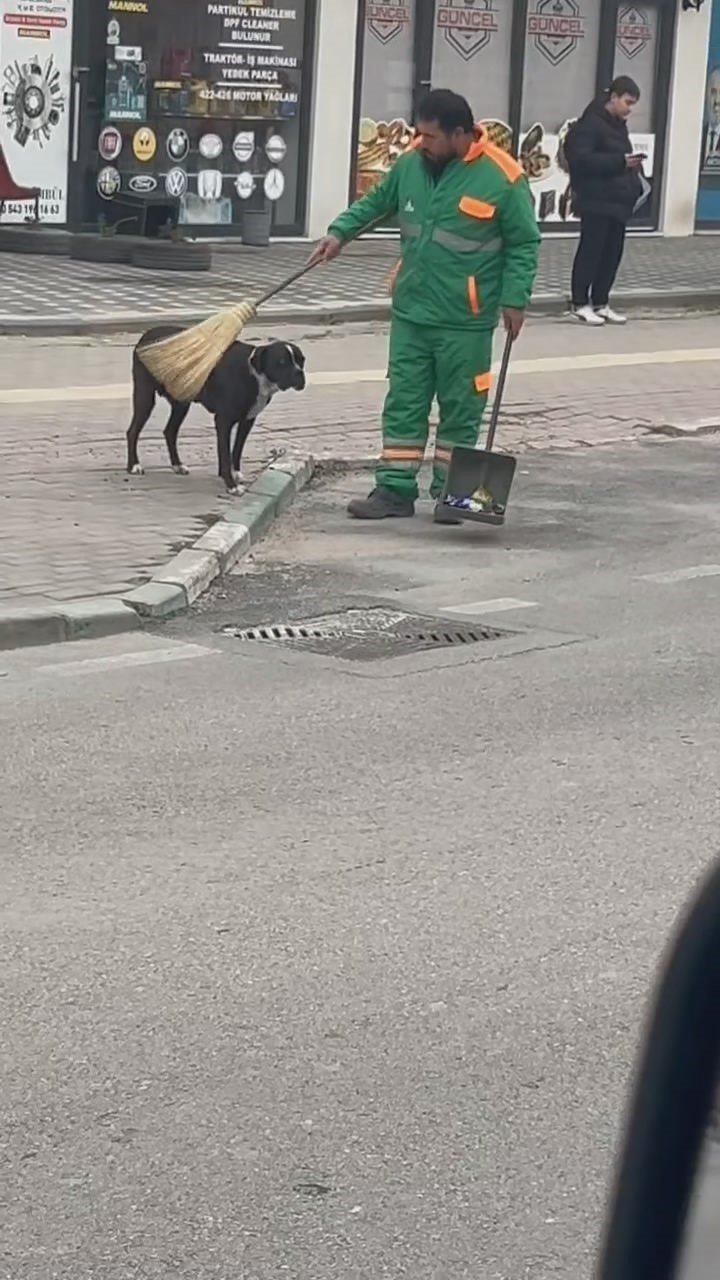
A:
283,364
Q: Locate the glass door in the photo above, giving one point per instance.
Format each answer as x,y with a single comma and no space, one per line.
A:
637,53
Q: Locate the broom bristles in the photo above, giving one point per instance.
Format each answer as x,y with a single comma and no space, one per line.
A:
182,364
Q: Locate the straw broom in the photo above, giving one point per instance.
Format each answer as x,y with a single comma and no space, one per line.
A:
182,364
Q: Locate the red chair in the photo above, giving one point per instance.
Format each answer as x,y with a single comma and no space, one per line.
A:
9,189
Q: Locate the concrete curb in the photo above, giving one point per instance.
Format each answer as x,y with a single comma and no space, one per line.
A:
324,313
178,583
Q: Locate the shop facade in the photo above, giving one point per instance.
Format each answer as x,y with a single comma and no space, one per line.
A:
295,106
528,68
203,102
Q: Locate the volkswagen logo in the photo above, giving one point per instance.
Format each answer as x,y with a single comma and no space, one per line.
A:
176,183
143,183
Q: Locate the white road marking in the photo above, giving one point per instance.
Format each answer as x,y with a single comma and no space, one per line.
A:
139,658
499,605
683,575
348,377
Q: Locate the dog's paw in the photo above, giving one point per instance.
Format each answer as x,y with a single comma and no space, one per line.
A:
238,477
181,469
137,470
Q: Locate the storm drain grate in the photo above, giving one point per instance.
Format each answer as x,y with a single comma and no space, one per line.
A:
364,635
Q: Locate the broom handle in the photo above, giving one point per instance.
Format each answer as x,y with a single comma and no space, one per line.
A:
499,389
284,284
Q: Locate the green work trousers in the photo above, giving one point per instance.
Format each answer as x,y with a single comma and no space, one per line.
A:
452,364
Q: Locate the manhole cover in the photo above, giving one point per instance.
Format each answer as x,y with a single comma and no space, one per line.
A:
363,635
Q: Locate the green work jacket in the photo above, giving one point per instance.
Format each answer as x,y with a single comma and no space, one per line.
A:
469,240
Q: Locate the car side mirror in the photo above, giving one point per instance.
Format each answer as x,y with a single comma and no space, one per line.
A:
664,1216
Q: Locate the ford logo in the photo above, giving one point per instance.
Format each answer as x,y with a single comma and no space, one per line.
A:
143,182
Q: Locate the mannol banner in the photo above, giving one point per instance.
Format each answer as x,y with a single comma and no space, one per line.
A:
35,101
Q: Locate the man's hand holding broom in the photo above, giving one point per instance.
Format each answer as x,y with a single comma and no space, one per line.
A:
325,250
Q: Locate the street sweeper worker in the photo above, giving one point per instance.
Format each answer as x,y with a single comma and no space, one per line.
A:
469,252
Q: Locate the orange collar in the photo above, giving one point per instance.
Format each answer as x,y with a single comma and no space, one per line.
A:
476,148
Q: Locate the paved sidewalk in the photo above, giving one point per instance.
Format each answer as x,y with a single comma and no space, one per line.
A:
73,524
40,292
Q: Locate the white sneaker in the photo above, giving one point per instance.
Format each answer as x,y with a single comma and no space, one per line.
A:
587,315
610,316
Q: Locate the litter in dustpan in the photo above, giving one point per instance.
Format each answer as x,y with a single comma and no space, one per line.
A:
478,480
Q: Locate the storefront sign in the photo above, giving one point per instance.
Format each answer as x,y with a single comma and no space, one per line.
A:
467,25
246,62
35,84
634,32
555,27
386,21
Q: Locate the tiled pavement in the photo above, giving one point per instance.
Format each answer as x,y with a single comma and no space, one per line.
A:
41,289
72,524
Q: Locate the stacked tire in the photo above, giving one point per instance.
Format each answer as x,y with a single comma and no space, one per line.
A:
172,255
34,239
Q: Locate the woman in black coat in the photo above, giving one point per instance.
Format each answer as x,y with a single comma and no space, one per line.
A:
605,180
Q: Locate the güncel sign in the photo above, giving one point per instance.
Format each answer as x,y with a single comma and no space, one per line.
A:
35,89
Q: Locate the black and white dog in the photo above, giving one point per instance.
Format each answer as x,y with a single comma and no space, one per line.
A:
242,383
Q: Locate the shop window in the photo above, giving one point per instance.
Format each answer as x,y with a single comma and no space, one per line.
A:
471,53
560,67
202,100
636,47
386,95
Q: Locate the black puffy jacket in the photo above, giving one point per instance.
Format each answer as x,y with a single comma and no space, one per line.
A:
596,147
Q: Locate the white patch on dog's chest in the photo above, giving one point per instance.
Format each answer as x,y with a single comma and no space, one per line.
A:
265,392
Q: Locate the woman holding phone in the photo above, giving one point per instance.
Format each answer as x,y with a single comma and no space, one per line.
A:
606,186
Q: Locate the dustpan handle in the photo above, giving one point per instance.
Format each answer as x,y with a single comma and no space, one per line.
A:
499,390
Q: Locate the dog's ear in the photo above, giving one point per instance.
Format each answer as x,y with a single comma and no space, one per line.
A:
260,358
298,354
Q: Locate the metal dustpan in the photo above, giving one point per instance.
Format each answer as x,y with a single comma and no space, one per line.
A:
478,478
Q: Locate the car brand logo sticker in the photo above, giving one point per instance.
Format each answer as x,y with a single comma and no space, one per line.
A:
144,144
177,145
142,183
245,185
110,143
176,183
210,146
108,182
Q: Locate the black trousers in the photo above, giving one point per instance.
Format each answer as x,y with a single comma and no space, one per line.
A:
598,257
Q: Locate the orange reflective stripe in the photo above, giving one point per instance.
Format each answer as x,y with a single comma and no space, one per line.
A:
473,299
483,382
403,455
476,208
509,167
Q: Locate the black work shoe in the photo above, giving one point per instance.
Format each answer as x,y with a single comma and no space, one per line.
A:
444,515
381,504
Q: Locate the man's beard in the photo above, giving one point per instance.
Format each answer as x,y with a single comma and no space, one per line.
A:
436,164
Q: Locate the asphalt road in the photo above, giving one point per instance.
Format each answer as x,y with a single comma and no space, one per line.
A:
338,971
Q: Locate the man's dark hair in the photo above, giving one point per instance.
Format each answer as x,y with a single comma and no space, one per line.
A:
448,110
622,85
